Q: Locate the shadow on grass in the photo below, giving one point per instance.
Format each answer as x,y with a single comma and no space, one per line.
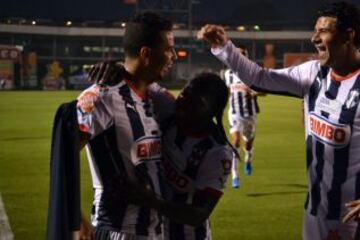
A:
275,193
303,186
296,185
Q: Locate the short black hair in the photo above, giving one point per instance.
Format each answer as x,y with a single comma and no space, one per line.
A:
144,29
214,91
347,15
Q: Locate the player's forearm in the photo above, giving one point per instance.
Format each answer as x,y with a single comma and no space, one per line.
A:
285,81
242,66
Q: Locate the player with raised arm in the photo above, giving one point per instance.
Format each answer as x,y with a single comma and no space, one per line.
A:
330,87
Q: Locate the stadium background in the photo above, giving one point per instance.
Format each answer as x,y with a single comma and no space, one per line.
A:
47,45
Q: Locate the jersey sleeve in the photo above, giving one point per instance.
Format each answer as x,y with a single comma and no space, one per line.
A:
294,81
94,110
214,171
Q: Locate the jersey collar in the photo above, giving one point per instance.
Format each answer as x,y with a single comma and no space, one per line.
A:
338,78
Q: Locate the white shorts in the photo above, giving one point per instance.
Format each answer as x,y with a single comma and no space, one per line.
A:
246,126
319,228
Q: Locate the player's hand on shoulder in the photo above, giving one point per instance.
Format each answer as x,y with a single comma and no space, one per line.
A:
354,213
213,34
108,72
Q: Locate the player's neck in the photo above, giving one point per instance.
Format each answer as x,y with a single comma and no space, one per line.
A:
350,64
346,71
139,80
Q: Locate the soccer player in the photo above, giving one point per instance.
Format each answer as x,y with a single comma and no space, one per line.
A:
196,160
330,87
243,109
197,155
123,139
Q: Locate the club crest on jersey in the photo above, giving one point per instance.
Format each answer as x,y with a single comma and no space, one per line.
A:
352,99
226,163
146,149
334,134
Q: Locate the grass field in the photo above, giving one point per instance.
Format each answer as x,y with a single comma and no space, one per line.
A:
268,205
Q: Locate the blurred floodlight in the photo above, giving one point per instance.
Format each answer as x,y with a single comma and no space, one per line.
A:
241,28
256,28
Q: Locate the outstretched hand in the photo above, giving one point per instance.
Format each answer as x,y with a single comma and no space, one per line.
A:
213,34
354,213
107,72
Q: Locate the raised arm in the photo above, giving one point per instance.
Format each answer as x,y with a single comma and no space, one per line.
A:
289,81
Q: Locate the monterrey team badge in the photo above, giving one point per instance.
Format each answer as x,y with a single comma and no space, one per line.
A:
353,98
226,163
334,134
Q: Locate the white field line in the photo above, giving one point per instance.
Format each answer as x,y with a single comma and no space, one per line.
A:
5,230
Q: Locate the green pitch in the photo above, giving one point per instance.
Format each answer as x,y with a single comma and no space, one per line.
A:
268,205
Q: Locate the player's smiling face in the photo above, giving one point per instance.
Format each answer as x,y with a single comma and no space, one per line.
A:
163,55
327,41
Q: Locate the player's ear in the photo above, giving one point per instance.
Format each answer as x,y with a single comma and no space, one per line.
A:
144,55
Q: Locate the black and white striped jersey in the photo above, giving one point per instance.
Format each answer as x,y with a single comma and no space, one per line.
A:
193,164
332,122
241,102
125,143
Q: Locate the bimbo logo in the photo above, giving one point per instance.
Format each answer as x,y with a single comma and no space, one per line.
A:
148,148
334,134
179,181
